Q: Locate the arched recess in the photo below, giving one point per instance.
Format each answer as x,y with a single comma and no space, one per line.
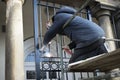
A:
28,49
28,46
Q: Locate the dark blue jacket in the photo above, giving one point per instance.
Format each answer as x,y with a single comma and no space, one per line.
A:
81,31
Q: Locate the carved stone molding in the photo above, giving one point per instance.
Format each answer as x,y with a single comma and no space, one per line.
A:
98,5
73,3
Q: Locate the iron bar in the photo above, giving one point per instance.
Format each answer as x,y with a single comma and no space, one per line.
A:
59,7
81,75
61,56
36,38
40,20
74,76
49,6
89,17
47,11
115,31
54,9
67,76
110,39
54,12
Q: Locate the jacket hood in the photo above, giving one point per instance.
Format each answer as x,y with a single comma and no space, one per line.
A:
66,9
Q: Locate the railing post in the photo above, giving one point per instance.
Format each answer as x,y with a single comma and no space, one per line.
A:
36,38
61,56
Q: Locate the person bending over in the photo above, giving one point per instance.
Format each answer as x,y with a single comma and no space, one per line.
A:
86,36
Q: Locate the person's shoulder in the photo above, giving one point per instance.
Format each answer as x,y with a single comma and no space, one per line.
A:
62,16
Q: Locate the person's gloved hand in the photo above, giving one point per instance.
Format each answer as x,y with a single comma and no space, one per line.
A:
43,48
67,50
48,24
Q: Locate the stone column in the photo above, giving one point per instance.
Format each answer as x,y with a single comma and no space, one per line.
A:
103,17
14,64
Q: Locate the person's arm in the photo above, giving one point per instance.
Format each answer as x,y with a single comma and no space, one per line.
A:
48,35
67,49
51,33
54,29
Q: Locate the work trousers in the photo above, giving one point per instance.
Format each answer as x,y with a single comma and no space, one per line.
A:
91,50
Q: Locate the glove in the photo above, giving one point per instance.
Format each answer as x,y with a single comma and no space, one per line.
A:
48,24
43,48
67,50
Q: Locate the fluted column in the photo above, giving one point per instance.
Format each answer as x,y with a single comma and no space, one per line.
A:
14,64
103,17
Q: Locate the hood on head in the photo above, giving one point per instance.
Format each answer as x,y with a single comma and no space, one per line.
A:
66,9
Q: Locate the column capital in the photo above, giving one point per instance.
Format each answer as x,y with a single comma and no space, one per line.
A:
15,0
102,12
98,6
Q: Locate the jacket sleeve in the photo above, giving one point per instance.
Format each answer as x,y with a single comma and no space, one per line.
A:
54,29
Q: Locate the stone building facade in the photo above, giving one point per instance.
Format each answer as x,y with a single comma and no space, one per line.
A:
17,23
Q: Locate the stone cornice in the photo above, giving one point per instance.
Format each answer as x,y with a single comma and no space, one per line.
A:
112,3
97,6
102,12
76,3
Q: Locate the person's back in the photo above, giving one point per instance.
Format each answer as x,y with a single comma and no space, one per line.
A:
82,31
